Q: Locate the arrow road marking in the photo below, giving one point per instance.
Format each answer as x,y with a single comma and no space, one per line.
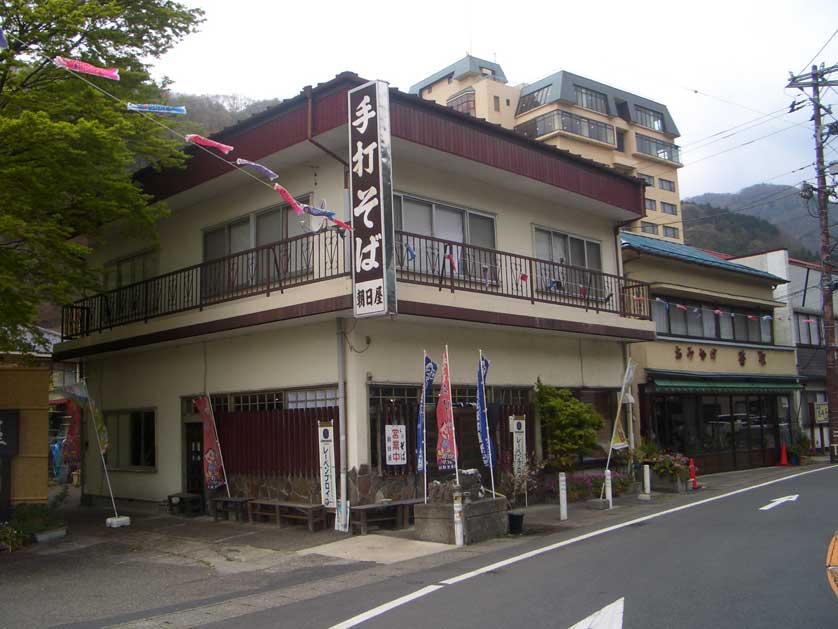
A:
779,501
609,617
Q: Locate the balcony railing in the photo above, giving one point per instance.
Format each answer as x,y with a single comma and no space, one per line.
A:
323,255
269,268
455,266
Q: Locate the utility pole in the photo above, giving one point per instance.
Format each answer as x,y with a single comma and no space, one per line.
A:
817,79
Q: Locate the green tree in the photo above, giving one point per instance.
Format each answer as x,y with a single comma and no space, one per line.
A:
67,150
570,425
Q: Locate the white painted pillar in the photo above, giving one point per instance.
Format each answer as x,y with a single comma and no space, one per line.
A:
608,495
647,482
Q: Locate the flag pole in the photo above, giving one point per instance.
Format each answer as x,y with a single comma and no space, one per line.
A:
424,426
99,444
218,443
453,428
488,434
616,419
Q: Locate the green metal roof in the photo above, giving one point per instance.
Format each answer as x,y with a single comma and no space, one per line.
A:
465,66
666,385
685,253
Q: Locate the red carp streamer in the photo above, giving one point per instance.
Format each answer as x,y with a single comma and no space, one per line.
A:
86,68
199,139
289,199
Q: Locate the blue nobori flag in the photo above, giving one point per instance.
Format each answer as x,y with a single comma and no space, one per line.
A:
486,449
430,373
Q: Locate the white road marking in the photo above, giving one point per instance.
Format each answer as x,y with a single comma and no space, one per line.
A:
609,617
779,501
377,611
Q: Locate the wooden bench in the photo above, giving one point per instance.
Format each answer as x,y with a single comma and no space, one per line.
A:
314,515
224,505
186,504
396,512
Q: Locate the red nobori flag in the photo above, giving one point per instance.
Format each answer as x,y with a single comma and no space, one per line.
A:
213,465
446,445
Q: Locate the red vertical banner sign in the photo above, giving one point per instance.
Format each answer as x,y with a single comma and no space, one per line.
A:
214,476
371,200
446,443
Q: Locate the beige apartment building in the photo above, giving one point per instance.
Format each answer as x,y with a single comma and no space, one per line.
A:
632,134
499,243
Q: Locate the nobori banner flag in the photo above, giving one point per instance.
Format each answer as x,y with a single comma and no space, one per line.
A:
371,200
428,382
80,395
213,464
486,448
446,444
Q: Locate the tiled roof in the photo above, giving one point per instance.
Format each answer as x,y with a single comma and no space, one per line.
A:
466,65
685,253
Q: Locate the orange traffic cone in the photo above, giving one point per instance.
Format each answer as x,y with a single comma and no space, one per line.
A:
692,475
784,456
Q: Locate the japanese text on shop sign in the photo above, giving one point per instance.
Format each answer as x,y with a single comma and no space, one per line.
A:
394,436
371,200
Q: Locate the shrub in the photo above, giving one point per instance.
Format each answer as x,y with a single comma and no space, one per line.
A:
11,537
570,425
585,486
29,519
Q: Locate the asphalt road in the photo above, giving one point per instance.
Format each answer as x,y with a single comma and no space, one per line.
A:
724,563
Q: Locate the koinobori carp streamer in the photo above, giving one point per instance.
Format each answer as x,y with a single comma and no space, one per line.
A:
199,139
86,68
154,108
271,175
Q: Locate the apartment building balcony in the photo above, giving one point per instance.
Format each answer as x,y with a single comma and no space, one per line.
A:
303,273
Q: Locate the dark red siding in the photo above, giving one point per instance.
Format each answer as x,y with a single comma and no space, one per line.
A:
417,121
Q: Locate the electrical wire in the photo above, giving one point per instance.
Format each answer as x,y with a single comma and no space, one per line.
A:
822,48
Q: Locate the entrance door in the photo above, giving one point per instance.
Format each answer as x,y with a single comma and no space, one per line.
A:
194,458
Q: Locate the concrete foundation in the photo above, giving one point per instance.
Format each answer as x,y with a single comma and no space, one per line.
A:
484,519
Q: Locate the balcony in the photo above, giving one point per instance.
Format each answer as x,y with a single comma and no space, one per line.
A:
458,267
322,256
274,267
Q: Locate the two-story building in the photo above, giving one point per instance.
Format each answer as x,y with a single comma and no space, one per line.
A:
632,134
719,382
800,323
501,243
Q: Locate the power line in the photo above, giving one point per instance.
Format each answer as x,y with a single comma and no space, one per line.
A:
806,65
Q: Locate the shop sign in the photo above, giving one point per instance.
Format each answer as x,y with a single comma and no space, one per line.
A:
9,430
518,428
394,437
371,200
326,438
821,413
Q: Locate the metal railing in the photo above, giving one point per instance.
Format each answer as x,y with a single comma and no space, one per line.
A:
456,266
273,267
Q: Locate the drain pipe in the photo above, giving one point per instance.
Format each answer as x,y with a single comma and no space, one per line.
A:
310,133
341,356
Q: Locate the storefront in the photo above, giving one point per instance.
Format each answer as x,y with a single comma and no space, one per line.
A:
723,423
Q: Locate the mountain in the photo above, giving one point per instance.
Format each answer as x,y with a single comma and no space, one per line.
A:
213,112
780,205
709,227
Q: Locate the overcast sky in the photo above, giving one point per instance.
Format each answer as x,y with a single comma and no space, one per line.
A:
736,54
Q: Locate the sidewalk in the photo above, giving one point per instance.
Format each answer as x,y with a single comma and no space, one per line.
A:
171,571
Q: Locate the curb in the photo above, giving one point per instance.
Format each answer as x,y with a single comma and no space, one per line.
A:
832,564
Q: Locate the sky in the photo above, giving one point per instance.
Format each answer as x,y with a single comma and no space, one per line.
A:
715,65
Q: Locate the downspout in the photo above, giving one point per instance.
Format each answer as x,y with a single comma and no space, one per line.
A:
341,357
310,134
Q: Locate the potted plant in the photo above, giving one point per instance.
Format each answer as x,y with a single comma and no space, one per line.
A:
799,450
669,470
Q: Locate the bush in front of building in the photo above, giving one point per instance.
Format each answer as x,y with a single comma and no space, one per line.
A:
10,537
586,486
570,426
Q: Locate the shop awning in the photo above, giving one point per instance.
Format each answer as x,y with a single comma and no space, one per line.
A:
667,385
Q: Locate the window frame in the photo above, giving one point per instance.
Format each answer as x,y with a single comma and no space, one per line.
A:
533,100
590,96
644,115
649,179
111,268
798,317
670,185
469,102
650,205
252,217
676,232
557,232
113,438
398,221
669,208
710,307
647,227
657,147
